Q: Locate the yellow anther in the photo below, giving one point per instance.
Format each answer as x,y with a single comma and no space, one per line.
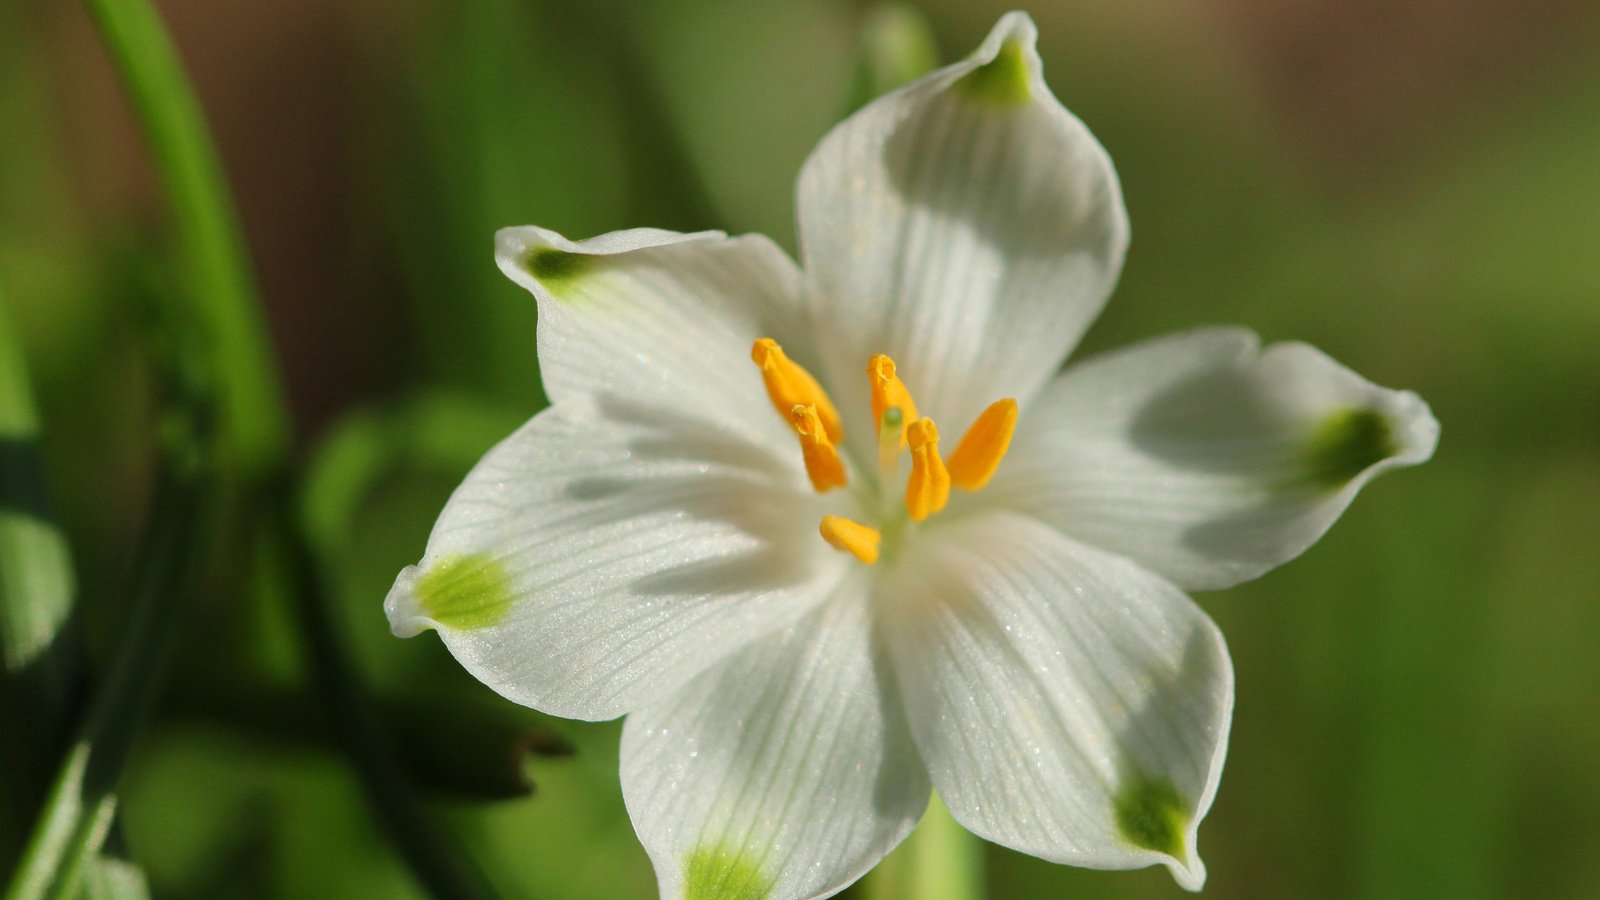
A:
983,446
860,541
888,391
790,385
823,464
928,488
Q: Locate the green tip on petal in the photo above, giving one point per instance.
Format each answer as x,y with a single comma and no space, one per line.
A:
1152,814
1003,81
466,591
714,873
1345,443
556,269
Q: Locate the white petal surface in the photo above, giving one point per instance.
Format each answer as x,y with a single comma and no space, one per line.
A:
1067,703
785,772
660,317
591,563
967,225
1204,457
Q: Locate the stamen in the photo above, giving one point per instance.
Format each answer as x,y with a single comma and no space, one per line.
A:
860,541
790,385
888,390
928,488
823,464
983,446
891,437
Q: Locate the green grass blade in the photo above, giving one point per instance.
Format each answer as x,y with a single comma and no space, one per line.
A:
82,800
211,250
221,296
36,581
38,649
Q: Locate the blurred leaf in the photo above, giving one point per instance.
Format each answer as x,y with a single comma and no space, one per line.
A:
437,431
508,114
438,861
374,487
38,646
218,285
897,47
216,813
752,86
36,579
574,840
171,562
460,748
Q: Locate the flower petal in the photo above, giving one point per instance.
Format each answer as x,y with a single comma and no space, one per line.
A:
787,771
966,225
1068,704
659,317
1205,458
600,558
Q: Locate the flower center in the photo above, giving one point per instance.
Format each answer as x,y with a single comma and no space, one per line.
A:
800,399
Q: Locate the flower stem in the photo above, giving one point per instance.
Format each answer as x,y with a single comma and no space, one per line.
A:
939,861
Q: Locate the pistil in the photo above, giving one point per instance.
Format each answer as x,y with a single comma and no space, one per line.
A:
891,437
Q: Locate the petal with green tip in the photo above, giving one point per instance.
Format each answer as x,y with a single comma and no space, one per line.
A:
967,225
657,318
1068,703
599,558
465,591
786,772
1203,456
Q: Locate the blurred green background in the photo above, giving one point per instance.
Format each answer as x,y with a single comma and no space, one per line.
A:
1411,185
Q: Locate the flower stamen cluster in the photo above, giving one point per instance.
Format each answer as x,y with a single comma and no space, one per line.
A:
797,395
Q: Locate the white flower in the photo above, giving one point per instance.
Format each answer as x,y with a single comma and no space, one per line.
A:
650,544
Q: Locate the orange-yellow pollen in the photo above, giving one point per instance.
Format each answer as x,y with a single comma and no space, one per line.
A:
790,385
888,390
928,488
983,446
860,541
823,464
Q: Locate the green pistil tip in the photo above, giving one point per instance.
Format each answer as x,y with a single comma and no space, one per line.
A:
1152,814
467,591
1002,81
556,269
1345,443
714,873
